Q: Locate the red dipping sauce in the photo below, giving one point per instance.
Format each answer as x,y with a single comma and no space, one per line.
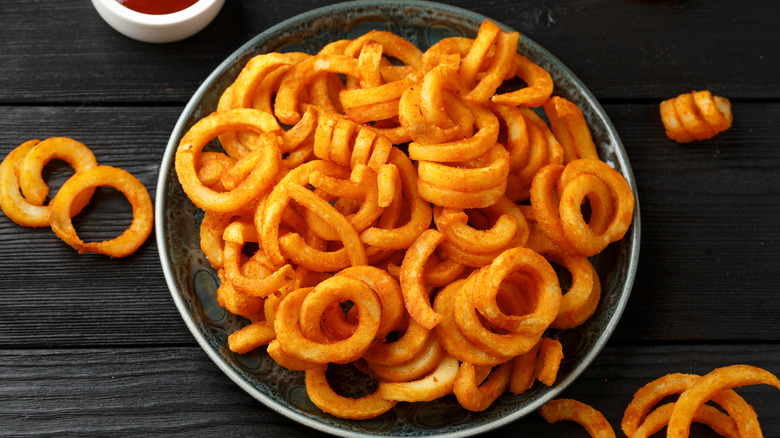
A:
157,7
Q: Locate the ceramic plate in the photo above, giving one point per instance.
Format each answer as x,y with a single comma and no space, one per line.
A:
193,282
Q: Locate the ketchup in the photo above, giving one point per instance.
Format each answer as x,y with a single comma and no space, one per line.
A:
157,7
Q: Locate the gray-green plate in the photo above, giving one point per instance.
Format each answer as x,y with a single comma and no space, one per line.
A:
193,282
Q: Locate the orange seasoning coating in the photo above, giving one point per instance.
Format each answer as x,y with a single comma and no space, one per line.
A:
381,186
23,193
698,115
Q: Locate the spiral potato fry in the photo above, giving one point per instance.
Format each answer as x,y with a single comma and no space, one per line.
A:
23,192
697,115
567,409
610,198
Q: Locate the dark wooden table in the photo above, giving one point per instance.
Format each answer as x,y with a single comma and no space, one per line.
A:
91,346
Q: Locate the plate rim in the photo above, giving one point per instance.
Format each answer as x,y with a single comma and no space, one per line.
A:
313,423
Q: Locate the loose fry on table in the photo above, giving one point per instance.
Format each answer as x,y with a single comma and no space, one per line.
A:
567,409
697,115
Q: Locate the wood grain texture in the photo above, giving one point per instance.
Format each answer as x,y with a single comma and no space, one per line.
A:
179,392
620,49
709,229
89,296
709,235
91,346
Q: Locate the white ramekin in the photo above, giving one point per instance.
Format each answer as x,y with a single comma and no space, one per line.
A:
158,28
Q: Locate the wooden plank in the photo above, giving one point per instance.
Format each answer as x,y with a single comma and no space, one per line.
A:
657,49
55,296
180,392
621,50
709,251
122,392
707,270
